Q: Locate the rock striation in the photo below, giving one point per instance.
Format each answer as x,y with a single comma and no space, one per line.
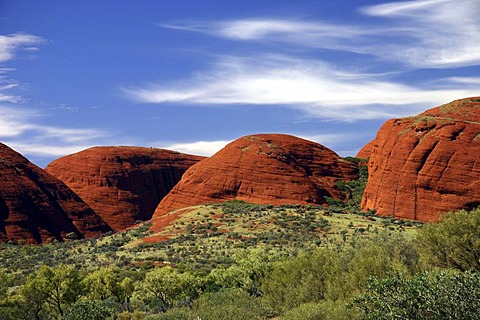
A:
265,169
365,152
37,207
426,165
122,184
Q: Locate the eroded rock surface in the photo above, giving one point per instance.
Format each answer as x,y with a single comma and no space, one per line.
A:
426,165
367,149
122,184
37,207
265,169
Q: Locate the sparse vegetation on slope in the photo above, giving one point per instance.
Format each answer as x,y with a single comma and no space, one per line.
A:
349,274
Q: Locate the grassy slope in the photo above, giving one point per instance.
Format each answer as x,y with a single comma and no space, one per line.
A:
205,237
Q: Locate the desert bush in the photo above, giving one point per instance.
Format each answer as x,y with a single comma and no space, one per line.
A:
429,295
452,243
228,304
91,310
300,280
325,310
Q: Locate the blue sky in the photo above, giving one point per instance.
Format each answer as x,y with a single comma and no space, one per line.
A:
193,75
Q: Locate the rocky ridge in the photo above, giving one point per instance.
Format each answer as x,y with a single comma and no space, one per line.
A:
36,207
122,184
263,169
426,165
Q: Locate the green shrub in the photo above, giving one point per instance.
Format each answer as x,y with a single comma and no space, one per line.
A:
430,295
325,310
454,242
173,314
228,304
91,310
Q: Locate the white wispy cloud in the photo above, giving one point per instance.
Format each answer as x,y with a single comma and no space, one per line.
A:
6,86
421,33
416,34
209,148
326,138
311,86
305,33
46,150
442,33
10,44
18,126
202,148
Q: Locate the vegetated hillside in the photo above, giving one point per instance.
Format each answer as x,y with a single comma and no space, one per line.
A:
423,166
386,271
208,236
122,184
265,169
37,207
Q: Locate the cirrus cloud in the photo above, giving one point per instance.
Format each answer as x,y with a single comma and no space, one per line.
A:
421,33
310,86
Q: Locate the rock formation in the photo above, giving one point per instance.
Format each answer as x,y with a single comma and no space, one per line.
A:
426,165
265,169
122,184
365,152
36,207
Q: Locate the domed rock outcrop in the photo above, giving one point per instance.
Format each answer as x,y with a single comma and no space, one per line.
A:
36,207
122,184
426,165
365,152
265,169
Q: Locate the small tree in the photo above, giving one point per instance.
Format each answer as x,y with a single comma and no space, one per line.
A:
164,287
454,242
109,282
50,291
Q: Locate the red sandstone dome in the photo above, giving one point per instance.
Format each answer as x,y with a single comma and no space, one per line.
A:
265,169
426,165
122,184
36,207
365,152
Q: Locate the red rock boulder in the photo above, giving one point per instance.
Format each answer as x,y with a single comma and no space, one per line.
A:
264,169
37,207
423,166
122,184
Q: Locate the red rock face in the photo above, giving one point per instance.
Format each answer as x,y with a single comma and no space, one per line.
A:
426,165
264,169
122,184
36,207
367,149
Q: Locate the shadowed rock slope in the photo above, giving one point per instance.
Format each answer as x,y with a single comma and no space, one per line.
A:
122,184
36,207
264,169
428,164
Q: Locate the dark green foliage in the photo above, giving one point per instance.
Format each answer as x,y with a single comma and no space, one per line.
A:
291,262
228,304
299,280
173,314
430,295
352,191
325,310
454,242
331,275
166,287
52,291
91,310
